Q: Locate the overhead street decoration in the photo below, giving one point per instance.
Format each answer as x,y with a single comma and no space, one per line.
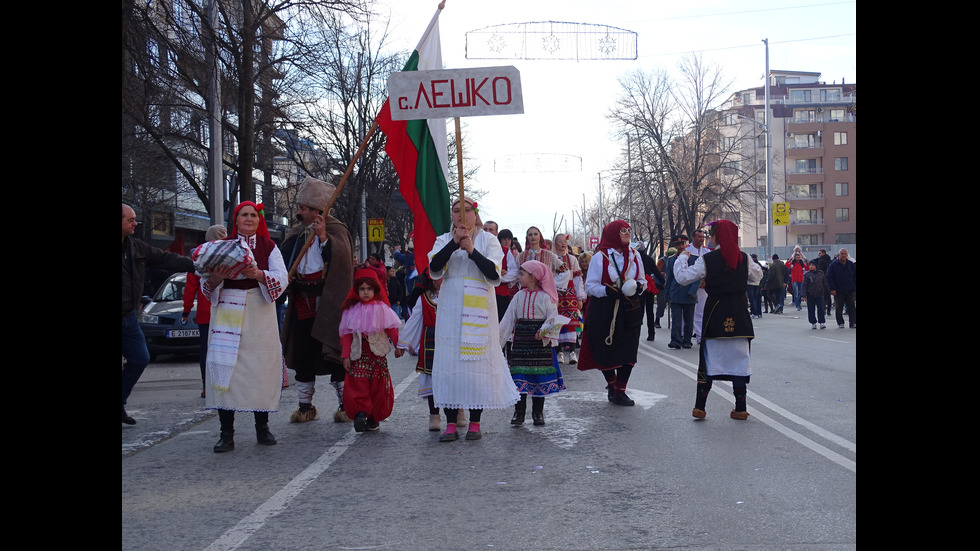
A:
468,92
555,40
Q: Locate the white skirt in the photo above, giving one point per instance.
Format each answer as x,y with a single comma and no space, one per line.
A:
727,357
256,383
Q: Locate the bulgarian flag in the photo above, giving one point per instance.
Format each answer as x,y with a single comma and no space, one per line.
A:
418,150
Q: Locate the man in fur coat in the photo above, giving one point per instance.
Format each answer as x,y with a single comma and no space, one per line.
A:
310,329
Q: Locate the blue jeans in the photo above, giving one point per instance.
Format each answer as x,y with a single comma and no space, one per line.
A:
755,300
135,352
815,310
797,299
681,323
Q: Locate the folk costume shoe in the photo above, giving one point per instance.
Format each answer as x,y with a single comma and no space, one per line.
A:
699,413
263,436
520,411
306,412
740,415
340,416
434,421
537,409
360,422
226,442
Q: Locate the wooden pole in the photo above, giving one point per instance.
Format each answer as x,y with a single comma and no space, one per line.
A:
459,169
333,199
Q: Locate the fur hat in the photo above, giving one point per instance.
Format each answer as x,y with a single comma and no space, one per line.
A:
315,194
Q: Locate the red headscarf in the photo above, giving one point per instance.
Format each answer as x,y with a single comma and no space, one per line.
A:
725,234
262,230
611,238
365,275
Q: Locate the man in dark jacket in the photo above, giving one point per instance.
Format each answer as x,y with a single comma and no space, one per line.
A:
683,299
842,278
776,286
823,264
655,282
137,257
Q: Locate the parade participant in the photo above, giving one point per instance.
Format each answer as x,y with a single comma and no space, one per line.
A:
468,367
368,328
697,248
244,366
192,292
614,283
532,322
418,337
508,272
571,293
727,326
535,249
137,256
310,336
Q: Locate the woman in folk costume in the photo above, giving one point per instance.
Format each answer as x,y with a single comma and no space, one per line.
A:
468,367
507,287
611,336
418,337
244,365
726,329
533,323
535,249
368,328
571,293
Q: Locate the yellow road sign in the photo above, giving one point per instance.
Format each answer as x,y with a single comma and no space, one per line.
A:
376,230
780,214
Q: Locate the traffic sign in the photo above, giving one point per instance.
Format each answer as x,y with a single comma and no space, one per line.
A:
780,214
376,230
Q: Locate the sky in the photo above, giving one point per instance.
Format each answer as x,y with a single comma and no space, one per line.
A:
566,102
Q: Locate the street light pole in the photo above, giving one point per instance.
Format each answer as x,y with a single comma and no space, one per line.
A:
769,237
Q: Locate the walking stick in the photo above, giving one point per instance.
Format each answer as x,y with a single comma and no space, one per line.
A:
340,185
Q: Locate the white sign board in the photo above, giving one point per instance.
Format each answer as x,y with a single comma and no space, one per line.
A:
447,93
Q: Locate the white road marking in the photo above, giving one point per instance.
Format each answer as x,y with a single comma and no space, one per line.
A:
689,369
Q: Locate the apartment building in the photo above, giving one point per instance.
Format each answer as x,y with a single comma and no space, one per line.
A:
813,152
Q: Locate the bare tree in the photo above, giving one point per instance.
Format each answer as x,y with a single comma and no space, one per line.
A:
687,170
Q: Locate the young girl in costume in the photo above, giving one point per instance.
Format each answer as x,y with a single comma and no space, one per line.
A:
418,337
533,323
368,326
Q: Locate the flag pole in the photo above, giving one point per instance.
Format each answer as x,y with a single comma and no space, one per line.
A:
459,169
432,23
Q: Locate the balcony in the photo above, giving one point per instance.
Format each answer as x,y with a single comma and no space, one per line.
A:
806,201
809,225
808,176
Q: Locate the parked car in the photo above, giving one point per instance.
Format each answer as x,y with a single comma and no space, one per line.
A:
161,320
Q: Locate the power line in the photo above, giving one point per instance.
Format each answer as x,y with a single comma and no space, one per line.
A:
746,11
748,45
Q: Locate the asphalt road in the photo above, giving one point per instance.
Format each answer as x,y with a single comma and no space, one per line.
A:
596,476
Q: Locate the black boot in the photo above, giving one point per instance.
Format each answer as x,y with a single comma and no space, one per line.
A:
537,409
263,436
226,443
519,411
610,391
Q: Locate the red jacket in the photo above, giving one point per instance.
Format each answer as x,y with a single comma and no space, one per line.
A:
192,288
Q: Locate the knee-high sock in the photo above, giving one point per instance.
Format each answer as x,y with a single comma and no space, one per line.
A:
738,387
305,390
702,394
339,388
623,377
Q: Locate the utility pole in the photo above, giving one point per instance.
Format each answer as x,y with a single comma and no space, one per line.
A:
769,248
215,170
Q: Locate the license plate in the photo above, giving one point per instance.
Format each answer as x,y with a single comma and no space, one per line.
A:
182,333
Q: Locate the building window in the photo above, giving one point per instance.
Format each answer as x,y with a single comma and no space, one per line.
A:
806,166
799,95
842,215
840,138
836,115
830,95
846,238
804,115
840,163
808,239
840,189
